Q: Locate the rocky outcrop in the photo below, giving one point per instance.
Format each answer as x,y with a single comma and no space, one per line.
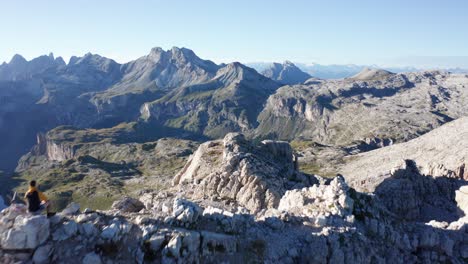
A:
330,219
54,151
236,200
319,203
439,153
254,177
21,231
413,196
461,197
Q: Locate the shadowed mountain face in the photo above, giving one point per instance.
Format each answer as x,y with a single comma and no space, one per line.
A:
90,91
231,101
286,73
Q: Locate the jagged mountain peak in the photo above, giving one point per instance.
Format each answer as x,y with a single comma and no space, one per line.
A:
236,71
177,55
92,59
17,59
59,60
21,69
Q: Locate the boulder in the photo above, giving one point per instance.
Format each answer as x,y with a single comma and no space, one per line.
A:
128,205
319,201
110,232
156,241
88,229
71,209
173,247
186,211
27,233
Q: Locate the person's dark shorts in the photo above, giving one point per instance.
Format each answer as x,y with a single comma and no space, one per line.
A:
42,207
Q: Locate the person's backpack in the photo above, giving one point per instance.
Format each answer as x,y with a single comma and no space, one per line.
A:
33,201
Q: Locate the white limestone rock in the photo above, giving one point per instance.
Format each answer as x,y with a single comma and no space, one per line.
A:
461,197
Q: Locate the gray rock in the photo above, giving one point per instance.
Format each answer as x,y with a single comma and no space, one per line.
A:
186,211
156,242
65,231
89,229
110,232
253,176
42,254
128,205
27,233
174,245
461,197
71,209
92,258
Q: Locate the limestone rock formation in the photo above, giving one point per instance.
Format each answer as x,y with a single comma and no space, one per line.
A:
254,177
207,217
441,152
461,196
396,107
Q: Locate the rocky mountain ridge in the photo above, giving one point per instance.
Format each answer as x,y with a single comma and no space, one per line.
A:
395,107
179,92
235,202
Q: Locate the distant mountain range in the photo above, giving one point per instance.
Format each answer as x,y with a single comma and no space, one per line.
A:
338,71
176,93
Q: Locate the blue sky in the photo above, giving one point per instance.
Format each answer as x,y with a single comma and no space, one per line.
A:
394,32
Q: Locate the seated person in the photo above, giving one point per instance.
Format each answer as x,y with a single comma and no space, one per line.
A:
36,200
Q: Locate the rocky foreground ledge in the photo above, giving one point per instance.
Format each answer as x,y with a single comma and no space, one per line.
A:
238,202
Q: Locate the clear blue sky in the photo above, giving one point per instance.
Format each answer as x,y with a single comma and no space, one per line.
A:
361,32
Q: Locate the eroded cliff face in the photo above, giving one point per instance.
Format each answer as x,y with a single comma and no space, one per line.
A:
54,151
390,106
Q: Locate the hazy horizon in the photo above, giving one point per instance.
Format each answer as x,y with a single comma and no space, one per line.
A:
421,34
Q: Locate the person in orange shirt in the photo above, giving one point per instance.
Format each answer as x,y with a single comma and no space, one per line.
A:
36,200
